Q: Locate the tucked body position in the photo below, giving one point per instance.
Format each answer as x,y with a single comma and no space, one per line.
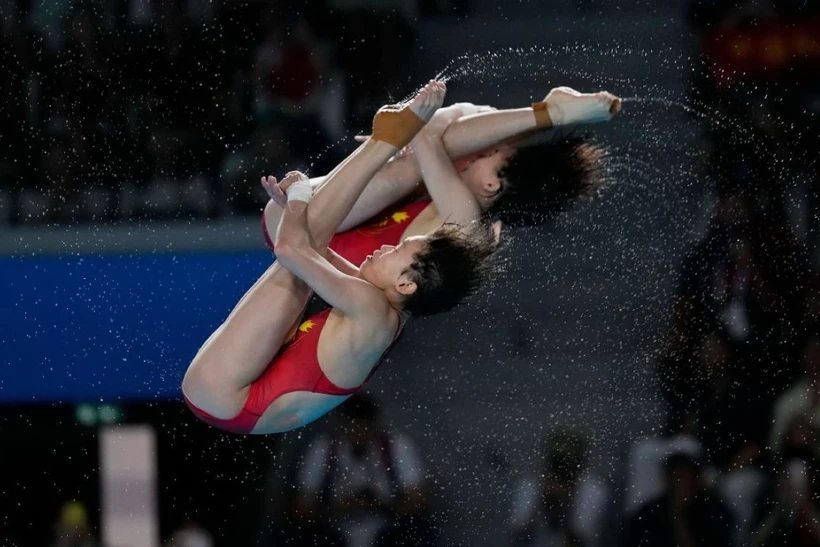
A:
471,161
264,370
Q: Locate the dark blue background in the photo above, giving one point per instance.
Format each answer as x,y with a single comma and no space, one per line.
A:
113,327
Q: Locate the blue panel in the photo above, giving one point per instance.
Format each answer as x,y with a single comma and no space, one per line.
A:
112,327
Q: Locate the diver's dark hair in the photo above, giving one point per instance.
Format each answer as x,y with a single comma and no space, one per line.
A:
546,178
451,266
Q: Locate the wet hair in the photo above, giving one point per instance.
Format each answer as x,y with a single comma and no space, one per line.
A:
544,179
450,268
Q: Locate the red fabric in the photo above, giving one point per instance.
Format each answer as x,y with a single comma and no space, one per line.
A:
386,228
294,368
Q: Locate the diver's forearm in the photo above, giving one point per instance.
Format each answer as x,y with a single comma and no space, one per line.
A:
293,227
478,132
465,136
401,177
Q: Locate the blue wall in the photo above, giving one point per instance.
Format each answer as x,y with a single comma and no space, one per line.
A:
112,327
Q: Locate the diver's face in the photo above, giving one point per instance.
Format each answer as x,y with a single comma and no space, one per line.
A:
388,266
481,174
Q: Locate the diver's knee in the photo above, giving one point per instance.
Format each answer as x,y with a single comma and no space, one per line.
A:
211,392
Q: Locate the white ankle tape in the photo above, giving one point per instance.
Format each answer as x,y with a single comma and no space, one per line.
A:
582,110
300,191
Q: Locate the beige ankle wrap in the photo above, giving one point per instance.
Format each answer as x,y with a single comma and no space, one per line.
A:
396,126
542,114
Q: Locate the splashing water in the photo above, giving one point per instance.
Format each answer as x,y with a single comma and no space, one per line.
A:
636,166
588,62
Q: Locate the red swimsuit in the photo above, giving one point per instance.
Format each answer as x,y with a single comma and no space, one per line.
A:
386,228
294,368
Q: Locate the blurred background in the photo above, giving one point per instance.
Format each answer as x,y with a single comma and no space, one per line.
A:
643,372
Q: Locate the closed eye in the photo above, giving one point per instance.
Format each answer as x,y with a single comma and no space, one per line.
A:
502,184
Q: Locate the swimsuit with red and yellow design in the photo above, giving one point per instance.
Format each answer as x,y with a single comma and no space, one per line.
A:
386,228
295,368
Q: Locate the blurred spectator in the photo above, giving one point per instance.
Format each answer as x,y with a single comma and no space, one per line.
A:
132,109
765,94
795,517
717,275
713,296
565,505
732,344
646,478
72,528
179,58
190,534
712,402
813,209
269,151
731,414
429,8
375,38
47,18
79,131
810,319
291,75
743,484
688,514
677,376
201,12
800,400
364,481
20,91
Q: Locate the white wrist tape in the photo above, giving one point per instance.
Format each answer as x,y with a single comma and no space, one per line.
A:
300,191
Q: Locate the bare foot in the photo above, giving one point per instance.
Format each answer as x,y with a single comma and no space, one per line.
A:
567,106
428,100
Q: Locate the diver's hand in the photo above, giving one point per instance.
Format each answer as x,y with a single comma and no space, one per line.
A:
279,192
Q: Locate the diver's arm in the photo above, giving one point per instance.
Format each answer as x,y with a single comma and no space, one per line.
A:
562,106
477,129
352,296
453,199
474,128
477,132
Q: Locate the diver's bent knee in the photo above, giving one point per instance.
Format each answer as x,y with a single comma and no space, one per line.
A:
211,394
